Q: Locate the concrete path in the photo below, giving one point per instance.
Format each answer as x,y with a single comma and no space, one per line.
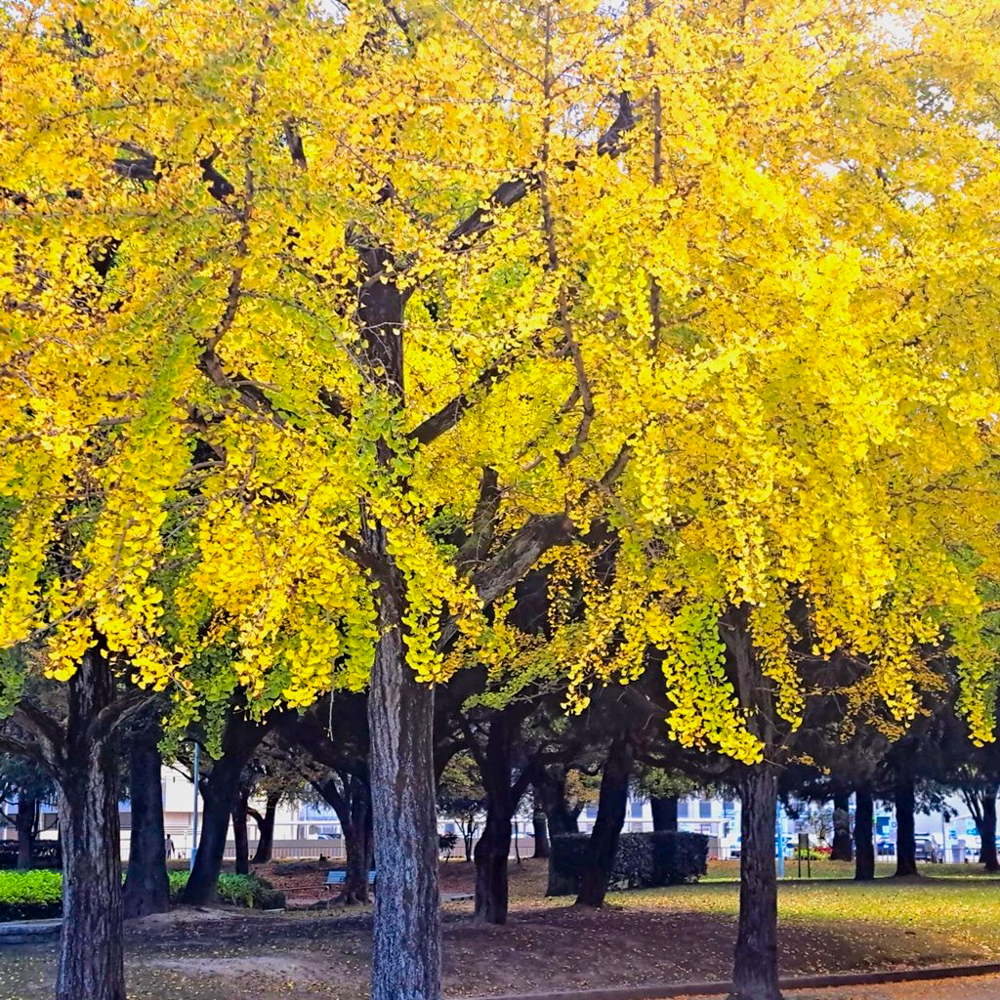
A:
979,988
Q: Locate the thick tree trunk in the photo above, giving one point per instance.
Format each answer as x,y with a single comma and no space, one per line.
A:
492,851
265,831
540,826
561,818
755,971
239,740
91,962
146,888
608,825
864,823
406,938
241,835
988,833
503,797
27,811
841,848
664,809
906,845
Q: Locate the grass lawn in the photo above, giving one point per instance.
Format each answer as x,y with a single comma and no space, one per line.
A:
665,935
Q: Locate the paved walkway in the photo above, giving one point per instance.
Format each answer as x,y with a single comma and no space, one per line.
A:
979,988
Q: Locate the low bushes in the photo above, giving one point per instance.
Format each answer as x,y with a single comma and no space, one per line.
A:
37,894
642,860
32,895
44,854
237,890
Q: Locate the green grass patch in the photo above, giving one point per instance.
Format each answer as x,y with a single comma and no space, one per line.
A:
914,922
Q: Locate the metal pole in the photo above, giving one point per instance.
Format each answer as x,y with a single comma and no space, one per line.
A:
196,772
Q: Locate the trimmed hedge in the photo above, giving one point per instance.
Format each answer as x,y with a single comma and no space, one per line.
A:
32,895
37,894
643,860
45,854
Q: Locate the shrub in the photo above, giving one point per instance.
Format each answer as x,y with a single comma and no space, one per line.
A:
641,861
31,895
237,890
44,854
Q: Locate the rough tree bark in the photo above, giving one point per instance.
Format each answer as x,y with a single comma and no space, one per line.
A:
265,828
218,790
906,845
406,938
91,962
146,887
25,823
864,824
608,825
841,849
664,809
756,966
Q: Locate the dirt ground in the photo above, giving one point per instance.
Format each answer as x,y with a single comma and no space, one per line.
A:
672,935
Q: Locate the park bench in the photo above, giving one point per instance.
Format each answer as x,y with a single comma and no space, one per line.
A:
337,878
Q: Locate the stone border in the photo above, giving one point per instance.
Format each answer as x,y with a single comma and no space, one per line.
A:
664,991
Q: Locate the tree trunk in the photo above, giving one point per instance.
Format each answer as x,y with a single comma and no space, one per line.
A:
988,831
468,836
906,845
864,847
841,847
358,841
351,801
265,831
146,887
755,971
239,740
503,797
608,825
27,810
664,809
552,792
543,849
241,835
406,938
91,962
492,851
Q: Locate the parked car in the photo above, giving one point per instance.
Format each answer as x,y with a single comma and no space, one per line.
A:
927,849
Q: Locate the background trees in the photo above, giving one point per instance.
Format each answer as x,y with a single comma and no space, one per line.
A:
332,326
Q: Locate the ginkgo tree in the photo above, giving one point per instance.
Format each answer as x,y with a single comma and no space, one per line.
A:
328,321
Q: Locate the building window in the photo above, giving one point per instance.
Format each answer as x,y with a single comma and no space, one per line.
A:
636,810
705,809
591,812
682,808
728,808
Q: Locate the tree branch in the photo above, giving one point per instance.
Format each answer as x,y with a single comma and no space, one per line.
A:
112,717
483,521
510,192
